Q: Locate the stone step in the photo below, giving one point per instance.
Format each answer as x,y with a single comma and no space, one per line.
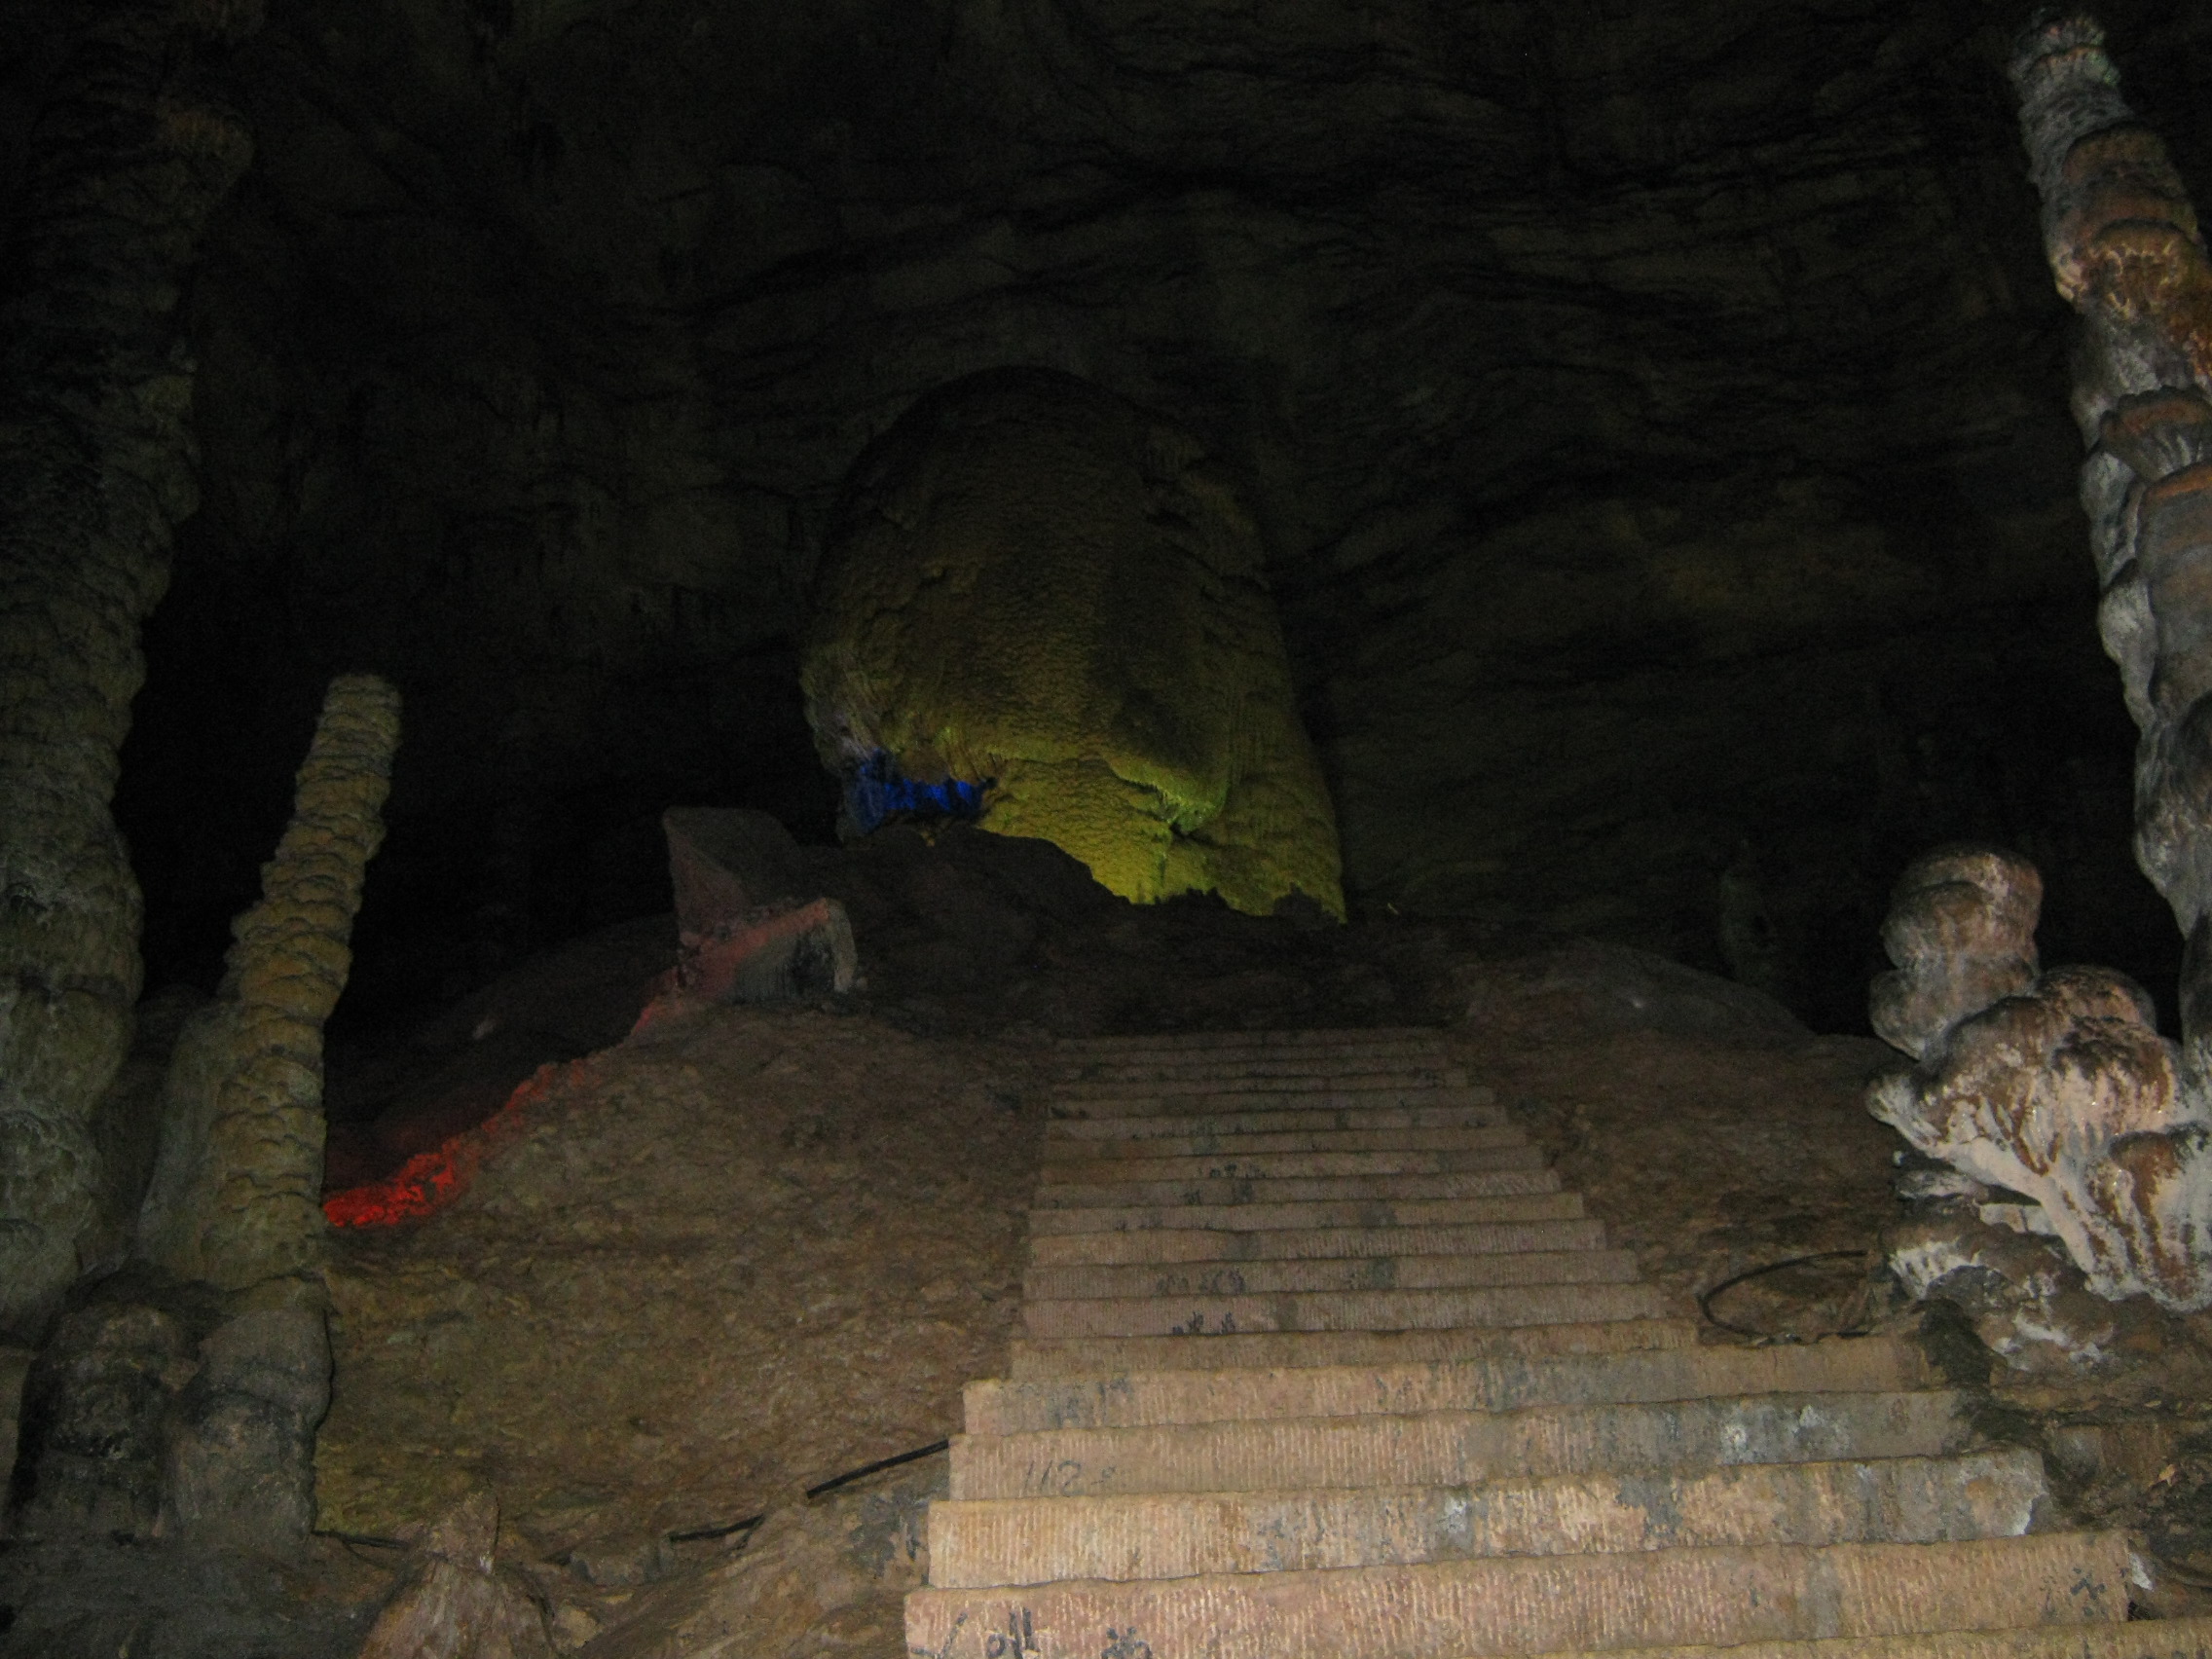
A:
1283,1165
1028,1359
1269,1041
1275,1121
1063,1147
1916,1501
1537,1203
1233,1082
1342,1310
1458,1448
2143,1638
1351,1273
1318,1063
1137,1105
1494,1383
1200,1245
1261,1191
1519,1604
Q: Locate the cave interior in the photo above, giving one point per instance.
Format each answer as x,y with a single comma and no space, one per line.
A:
1655,420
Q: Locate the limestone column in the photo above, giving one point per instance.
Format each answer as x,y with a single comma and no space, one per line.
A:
127,162
236,1196
2126,248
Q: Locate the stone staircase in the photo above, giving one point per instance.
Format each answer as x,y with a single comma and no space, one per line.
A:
1320,1361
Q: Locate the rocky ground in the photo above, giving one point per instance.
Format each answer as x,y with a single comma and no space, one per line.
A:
742,1251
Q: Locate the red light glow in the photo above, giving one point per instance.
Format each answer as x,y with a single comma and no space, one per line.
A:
430,1181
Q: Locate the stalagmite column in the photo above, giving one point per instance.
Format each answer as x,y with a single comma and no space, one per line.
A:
2125,249
127,163
236,1185
2063,1088
220,1450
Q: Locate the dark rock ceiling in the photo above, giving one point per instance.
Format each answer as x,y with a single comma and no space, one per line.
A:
1658,415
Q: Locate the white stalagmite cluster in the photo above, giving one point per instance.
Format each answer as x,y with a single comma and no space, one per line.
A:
2059,1087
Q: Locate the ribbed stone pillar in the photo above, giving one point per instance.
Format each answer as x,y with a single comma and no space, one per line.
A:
97,466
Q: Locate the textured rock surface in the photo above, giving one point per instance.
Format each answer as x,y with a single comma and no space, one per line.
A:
1656,426
814,1579
93,1414
2067,1094
740,1253
122,164
237,1182
722,864
238,1465
1961,931
455,1605
1039,591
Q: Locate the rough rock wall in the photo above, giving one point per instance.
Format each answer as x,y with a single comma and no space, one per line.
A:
235,1198
125,161
1657,419
1036,588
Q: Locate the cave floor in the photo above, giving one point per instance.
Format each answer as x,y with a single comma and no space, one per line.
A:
746,1250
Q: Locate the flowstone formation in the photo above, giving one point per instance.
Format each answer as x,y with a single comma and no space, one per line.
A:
181,1395
129,160
1045,607
2059,1087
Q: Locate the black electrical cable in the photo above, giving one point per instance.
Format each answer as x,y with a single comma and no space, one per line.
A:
1705,1299
878,1466
861,1473
698,1532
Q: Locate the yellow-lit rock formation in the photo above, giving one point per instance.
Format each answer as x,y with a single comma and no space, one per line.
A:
1037,589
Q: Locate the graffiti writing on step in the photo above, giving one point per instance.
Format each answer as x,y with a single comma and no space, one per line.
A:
1018,1637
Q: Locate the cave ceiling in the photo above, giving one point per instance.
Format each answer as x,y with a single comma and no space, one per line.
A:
1656,416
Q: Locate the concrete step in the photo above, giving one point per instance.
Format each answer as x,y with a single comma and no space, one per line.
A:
1235,1082
1275,1121
1458,1448
1351,1273
1541,1203
1342,1310
1269,1042
1519,1604
1916,1501
1494,1383
1283,1165
2144,1639
1032,1360
1132,1104
1261,1191
1061,1147
1200,1245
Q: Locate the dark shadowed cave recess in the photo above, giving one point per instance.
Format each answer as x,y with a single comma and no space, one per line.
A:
1657,416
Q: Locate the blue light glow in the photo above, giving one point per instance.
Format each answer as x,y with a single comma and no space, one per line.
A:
877,793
